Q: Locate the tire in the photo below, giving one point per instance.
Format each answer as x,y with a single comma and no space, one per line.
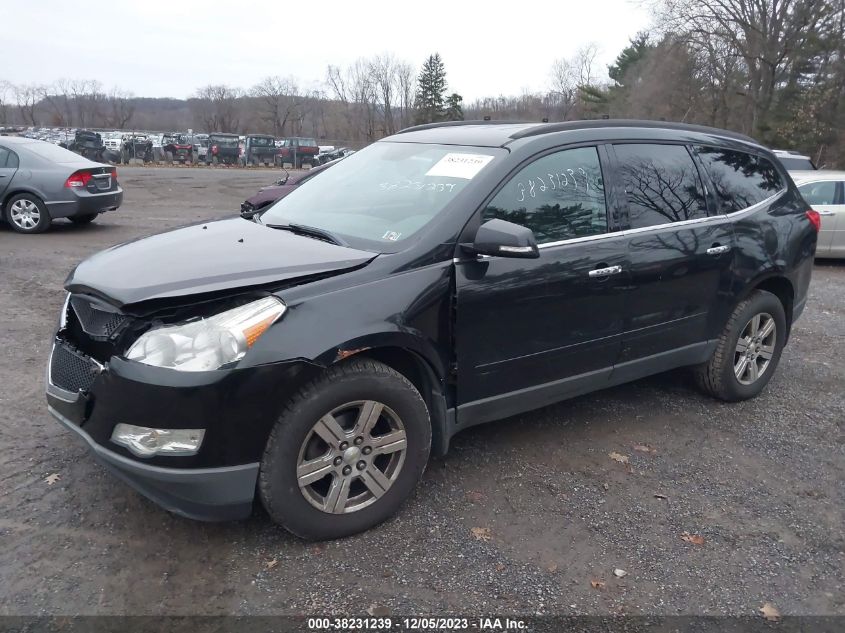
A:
725,376
26,213
255,161
214,160
344,390
168,158
83,219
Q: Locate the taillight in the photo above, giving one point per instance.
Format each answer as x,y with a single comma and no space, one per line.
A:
114,173
815,219
78,179
213,149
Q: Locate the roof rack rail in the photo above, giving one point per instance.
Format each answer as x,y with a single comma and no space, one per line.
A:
429,126
546,128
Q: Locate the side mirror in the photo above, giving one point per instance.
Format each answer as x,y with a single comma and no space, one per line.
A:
500,238
284,179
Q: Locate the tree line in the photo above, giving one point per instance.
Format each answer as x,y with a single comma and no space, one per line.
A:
773,69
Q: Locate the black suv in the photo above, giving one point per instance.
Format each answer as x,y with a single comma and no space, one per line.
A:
443,277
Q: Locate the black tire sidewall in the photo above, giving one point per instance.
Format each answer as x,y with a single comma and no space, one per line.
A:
758,303
43,222
279,489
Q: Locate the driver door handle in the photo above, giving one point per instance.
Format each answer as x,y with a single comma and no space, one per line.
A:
605,272
718,250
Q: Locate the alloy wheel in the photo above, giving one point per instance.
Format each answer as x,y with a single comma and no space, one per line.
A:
351,457
755,348
25,214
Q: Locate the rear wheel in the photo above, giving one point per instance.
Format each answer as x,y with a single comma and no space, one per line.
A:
83,219
748,350
346,452
26,213
214,160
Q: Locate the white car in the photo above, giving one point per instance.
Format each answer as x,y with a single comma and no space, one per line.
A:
824,191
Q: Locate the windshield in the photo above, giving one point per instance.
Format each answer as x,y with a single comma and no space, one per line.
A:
262,141
224,141
383,194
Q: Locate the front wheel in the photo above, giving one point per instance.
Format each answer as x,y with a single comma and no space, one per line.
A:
346,452
748,350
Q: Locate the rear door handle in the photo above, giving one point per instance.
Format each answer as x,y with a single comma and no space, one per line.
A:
605,272
718,250
827,212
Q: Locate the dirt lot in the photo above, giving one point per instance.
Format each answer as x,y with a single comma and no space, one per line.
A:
761,482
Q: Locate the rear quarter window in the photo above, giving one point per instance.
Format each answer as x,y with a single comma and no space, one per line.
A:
739,179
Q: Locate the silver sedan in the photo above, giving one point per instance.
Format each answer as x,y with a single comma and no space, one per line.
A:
40,182
824,191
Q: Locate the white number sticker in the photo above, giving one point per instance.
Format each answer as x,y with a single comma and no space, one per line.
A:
456,165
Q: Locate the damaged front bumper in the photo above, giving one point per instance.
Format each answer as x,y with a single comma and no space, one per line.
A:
205,494
237,409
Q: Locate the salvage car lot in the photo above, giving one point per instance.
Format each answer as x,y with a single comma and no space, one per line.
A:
529,514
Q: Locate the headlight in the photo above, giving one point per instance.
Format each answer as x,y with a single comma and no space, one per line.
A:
209,343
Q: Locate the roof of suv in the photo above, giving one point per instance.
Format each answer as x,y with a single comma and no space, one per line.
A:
501,133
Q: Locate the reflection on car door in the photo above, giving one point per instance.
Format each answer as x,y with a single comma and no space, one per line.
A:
680,260
826,197
8,167
533,331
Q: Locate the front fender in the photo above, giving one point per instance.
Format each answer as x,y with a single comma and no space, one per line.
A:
409,310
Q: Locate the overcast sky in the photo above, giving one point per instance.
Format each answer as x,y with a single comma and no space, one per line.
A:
161,48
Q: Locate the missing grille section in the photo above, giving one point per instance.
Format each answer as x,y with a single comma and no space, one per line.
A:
72,370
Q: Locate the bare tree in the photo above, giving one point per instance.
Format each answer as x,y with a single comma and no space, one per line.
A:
768,36
27,98
6,90
569,75
216,106
121,108
279,99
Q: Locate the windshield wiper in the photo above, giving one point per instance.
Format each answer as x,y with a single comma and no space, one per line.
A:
309,231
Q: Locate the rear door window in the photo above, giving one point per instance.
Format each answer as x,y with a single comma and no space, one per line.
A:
559,196
4,155
740,179
661,184
819,193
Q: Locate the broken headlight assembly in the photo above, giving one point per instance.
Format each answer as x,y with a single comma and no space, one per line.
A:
207,343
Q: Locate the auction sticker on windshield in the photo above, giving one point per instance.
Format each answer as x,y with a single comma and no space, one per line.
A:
457,165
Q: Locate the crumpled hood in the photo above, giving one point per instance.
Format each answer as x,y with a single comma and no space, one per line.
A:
209,257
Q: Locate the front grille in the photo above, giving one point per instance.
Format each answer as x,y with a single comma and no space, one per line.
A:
72,370
97,322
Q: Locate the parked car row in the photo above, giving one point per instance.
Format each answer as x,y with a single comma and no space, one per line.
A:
120,147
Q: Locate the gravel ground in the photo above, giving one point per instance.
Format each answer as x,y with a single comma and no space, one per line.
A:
527,515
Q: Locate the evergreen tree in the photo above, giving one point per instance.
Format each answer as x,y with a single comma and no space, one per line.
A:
454,109
630,56
431,87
